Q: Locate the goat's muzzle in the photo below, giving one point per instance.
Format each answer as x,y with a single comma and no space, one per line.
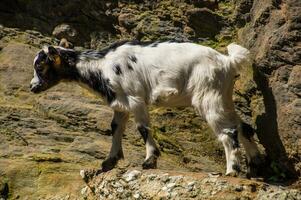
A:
36,88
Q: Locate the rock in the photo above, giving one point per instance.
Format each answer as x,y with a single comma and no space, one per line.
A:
64,43
127,20
65,31
191,185
294,81
211,4
84,190
204,22
273,42
170,186
132,175
136,196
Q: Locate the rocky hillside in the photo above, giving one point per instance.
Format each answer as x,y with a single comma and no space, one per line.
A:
47,139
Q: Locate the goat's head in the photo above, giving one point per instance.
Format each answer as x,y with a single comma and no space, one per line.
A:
51,65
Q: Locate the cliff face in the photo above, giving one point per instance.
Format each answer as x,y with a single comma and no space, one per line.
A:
48,138
272,33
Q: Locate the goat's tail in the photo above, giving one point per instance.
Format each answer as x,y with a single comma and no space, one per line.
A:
238,55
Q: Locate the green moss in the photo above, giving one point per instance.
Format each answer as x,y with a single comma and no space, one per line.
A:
46,158
166,143
226,8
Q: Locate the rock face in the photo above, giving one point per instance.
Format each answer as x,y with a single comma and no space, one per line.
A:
85,16
97,23
273,35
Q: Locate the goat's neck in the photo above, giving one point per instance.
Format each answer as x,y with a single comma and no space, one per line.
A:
90,75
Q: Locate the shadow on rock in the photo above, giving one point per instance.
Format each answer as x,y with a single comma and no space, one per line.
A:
277,166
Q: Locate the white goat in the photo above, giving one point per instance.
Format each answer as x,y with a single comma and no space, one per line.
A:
133,75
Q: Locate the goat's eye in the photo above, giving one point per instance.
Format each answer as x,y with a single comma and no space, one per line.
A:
39,68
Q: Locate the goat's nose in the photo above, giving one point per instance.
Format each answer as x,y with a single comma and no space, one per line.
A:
30,85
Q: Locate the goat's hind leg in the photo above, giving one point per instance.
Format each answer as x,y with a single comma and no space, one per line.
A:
224,125
118,126
229,139
254,158
152,151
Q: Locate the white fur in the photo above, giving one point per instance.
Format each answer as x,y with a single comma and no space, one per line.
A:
175,74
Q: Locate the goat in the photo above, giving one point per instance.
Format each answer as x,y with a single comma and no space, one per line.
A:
131,75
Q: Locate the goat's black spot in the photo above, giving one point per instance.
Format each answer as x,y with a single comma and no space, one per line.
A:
133,58
233,134
117,69
114,126
140,43
247,130
94,54
98,83
130,67
144,132
97,54
157,152
154,44
235,139
236,167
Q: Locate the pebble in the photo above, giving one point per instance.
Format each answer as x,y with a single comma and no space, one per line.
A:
84,190
82,173
165,178
152,176
176,178
170,186
132,175
136,196
120,189
239,188
190,185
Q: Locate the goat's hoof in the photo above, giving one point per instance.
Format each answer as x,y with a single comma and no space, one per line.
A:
235,171
233,174
109,164
150,163
254,166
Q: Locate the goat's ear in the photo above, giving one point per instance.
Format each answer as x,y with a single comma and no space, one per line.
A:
52,51
54,56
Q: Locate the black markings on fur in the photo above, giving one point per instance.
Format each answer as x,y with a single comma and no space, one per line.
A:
247,130
69,57
133,58
154,44
117,69
235,139
144,132
114,126
236,167
130,67
98,83
233,134
157,152
94,54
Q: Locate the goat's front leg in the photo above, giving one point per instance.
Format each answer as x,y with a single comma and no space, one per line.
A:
118,125
152,151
